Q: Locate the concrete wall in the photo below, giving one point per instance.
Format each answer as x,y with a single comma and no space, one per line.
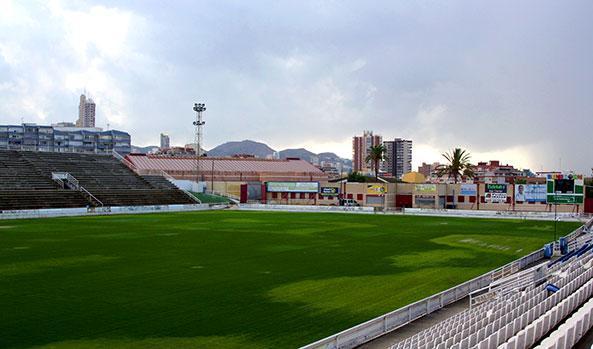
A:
400,195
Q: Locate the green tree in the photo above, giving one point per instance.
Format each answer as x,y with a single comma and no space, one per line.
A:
458,165
376,155
356,177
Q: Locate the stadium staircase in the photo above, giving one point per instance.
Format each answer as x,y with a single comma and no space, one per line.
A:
34,180
551,308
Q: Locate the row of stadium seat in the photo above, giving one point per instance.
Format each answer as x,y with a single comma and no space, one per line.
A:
26,182
42,198
514,319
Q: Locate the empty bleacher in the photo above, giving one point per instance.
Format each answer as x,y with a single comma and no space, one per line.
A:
524,315
26,182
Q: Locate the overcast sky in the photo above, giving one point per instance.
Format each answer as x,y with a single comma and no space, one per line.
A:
508,80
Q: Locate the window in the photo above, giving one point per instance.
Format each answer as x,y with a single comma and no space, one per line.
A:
320,197
359,197
461,199
311,195
293,195
274,195
472,199
302,196
374,200
350,196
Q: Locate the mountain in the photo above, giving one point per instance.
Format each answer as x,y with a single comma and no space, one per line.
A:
333,158
259,150
300,153
144,150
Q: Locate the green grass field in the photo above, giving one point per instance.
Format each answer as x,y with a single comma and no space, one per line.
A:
233,279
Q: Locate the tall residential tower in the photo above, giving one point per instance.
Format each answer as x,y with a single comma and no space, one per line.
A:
86,112
165,141
360,150
398,157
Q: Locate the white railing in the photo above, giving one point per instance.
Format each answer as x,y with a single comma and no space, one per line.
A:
306,208
65,177
106,210
507,285
91,196
125,161
531,215
172,180
232,198
383,324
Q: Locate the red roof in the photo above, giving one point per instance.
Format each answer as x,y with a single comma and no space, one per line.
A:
234,165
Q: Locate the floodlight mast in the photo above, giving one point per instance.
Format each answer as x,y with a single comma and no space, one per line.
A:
199,108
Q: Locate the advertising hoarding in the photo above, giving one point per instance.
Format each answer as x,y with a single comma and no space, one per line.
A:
565,189
376,189
468,190
329,191
292,187
425,188
495,198
530,193
495,193
496,188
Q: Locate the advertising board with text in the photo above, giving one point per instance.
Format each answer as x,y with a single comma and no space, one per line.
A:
530,193
495,193
425,188
468,190
376,189
292,187
329,191
565,189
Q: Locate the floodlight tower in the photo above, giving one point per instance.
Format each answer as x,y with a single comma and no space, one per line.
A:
199,108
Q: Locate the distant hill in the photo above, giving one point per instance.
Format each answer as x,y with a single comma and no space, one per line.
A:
300,153
262,150
257,149
144,150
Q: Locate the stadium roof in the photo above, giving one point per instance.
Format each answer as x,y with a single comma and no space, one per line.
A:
264,169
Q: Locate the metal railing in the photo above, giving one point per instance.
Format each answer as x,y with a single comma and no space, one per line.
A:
66,179
125,161
172,180
232,198
91,196
383,324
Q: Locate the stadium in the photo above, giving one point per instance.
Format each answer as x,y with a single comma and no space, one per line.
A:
96,254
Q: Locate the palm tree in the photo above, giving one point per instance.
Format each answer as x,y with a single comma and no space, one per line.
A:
458,165
376,155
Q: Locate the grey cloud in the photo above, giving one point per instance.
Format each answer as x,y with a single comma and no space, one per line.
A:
490,75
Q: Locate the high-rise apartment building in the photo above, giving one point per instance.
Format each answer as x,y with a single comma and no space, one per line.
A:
86,112
165,141
398,156
360,150
428,170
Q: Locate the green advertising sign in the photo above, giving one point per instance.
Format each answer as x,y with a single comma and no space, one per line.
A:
496,188
565,189
564,199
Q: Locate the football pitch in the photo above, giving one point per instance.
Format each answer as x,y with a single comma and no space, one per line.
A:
234,279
